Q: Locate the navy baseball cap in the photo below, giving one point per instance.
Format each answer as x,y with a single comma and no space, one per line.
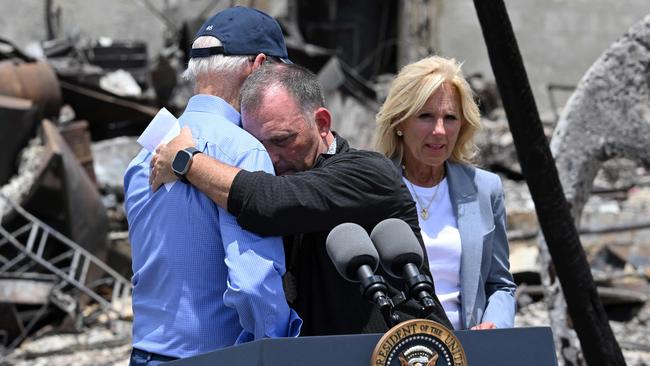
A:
242,32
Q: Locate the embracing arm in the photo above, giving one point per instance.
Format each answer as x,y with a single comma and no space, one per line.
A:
209,175
213,178
357,186
499,285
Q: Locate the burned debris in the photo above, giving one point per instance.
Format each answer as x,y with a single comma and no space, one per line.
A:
54,224
68,120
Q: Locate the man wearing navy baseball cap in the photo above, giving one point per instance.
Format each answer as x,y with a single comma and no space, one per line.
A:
200,281
322,183
242,32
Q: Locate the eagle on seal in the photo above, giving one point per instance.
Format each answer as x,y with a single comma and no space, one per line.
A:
418,356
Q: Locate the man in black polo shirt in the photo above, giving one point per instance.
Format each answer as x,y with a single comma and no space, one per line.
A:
321,183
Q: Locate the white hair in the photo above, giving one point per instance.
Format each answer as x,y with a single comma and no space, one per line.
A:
212,64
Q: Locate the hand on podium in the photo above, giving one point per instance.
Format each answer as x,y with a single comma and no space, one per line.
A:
483,326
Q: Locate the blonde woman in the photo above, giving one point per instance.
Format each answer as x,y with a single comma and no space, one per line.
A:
427,127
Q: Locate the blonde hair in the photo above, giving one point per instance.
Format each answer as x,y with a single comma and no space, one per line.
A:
408,93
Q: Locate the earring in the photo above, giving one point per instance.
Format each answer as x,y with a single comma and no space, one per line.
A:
399,133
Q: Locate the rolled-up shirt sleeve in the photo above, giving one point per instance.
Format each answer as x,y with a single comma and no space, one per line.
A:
255,268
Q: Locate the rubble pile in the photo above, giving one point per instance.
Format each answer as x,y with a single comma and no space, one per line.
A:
615,233
633,336
102,344
53,243
69,178
30,160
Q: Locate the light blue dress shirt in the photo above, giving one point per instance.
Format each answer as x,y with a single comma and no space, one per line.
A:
200,282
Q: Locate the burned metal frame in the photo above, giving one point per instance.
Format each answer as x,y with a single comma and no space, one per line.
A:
30,248
70,268
77,272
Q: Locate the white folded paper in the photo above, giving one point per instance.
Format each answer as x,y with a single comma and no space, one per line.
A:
162,128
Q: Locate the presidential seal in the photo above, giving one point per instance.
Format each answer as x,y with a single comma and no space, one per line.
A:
419,342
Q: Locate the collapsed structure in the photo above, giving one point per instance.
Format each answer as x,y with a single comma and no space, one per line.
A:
54,226
54,232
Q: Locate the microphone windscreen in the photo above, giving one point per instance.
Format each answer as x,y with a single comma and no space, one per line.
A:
349,247
397,246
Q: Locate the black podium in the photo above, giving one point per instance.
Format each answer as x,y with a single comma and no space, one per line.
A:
499,347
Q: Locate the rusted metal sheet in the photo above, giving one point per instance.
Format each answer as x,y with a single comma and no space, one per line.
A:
64,196
86,220
35,81
18,121
107,115
77,136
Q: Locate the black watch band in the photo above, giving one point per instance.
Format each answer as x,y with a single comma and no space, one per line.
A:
183,161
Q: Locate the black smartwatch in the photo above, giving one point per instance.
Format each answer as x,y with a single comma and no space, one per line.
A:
183,161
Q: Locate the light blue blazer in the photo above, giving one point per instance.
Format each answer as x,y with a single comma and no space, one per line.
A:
486,285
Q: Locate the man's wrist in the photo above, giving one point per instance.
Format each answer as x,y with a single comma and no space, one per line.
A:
182,162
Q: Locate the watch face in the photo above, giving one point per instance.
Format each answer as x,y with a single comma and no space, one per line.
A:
179,165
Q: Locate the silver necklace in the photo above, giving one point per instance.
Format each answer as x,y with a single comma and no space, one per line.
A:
424,211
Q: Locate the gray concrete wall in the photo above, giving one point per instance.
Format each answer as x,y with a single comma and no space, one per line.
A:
23,21
558,39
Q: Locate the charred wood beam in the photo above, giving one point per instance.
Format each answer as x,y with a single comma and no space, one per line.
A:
107,115
18,120
609,295
107,98
12,326
15,52
24,291
52,20
613,295
604,229
588,315
635,346
416,30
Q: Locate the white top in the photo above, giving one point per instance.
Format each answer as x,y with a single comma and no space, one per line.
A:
442,242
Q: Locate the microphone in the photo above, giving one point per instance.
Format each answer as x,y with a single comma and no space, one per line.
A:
401,256
356,259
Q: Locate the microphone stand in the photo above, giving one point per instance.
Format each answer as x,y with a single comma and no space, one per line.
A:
374,289
420,288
